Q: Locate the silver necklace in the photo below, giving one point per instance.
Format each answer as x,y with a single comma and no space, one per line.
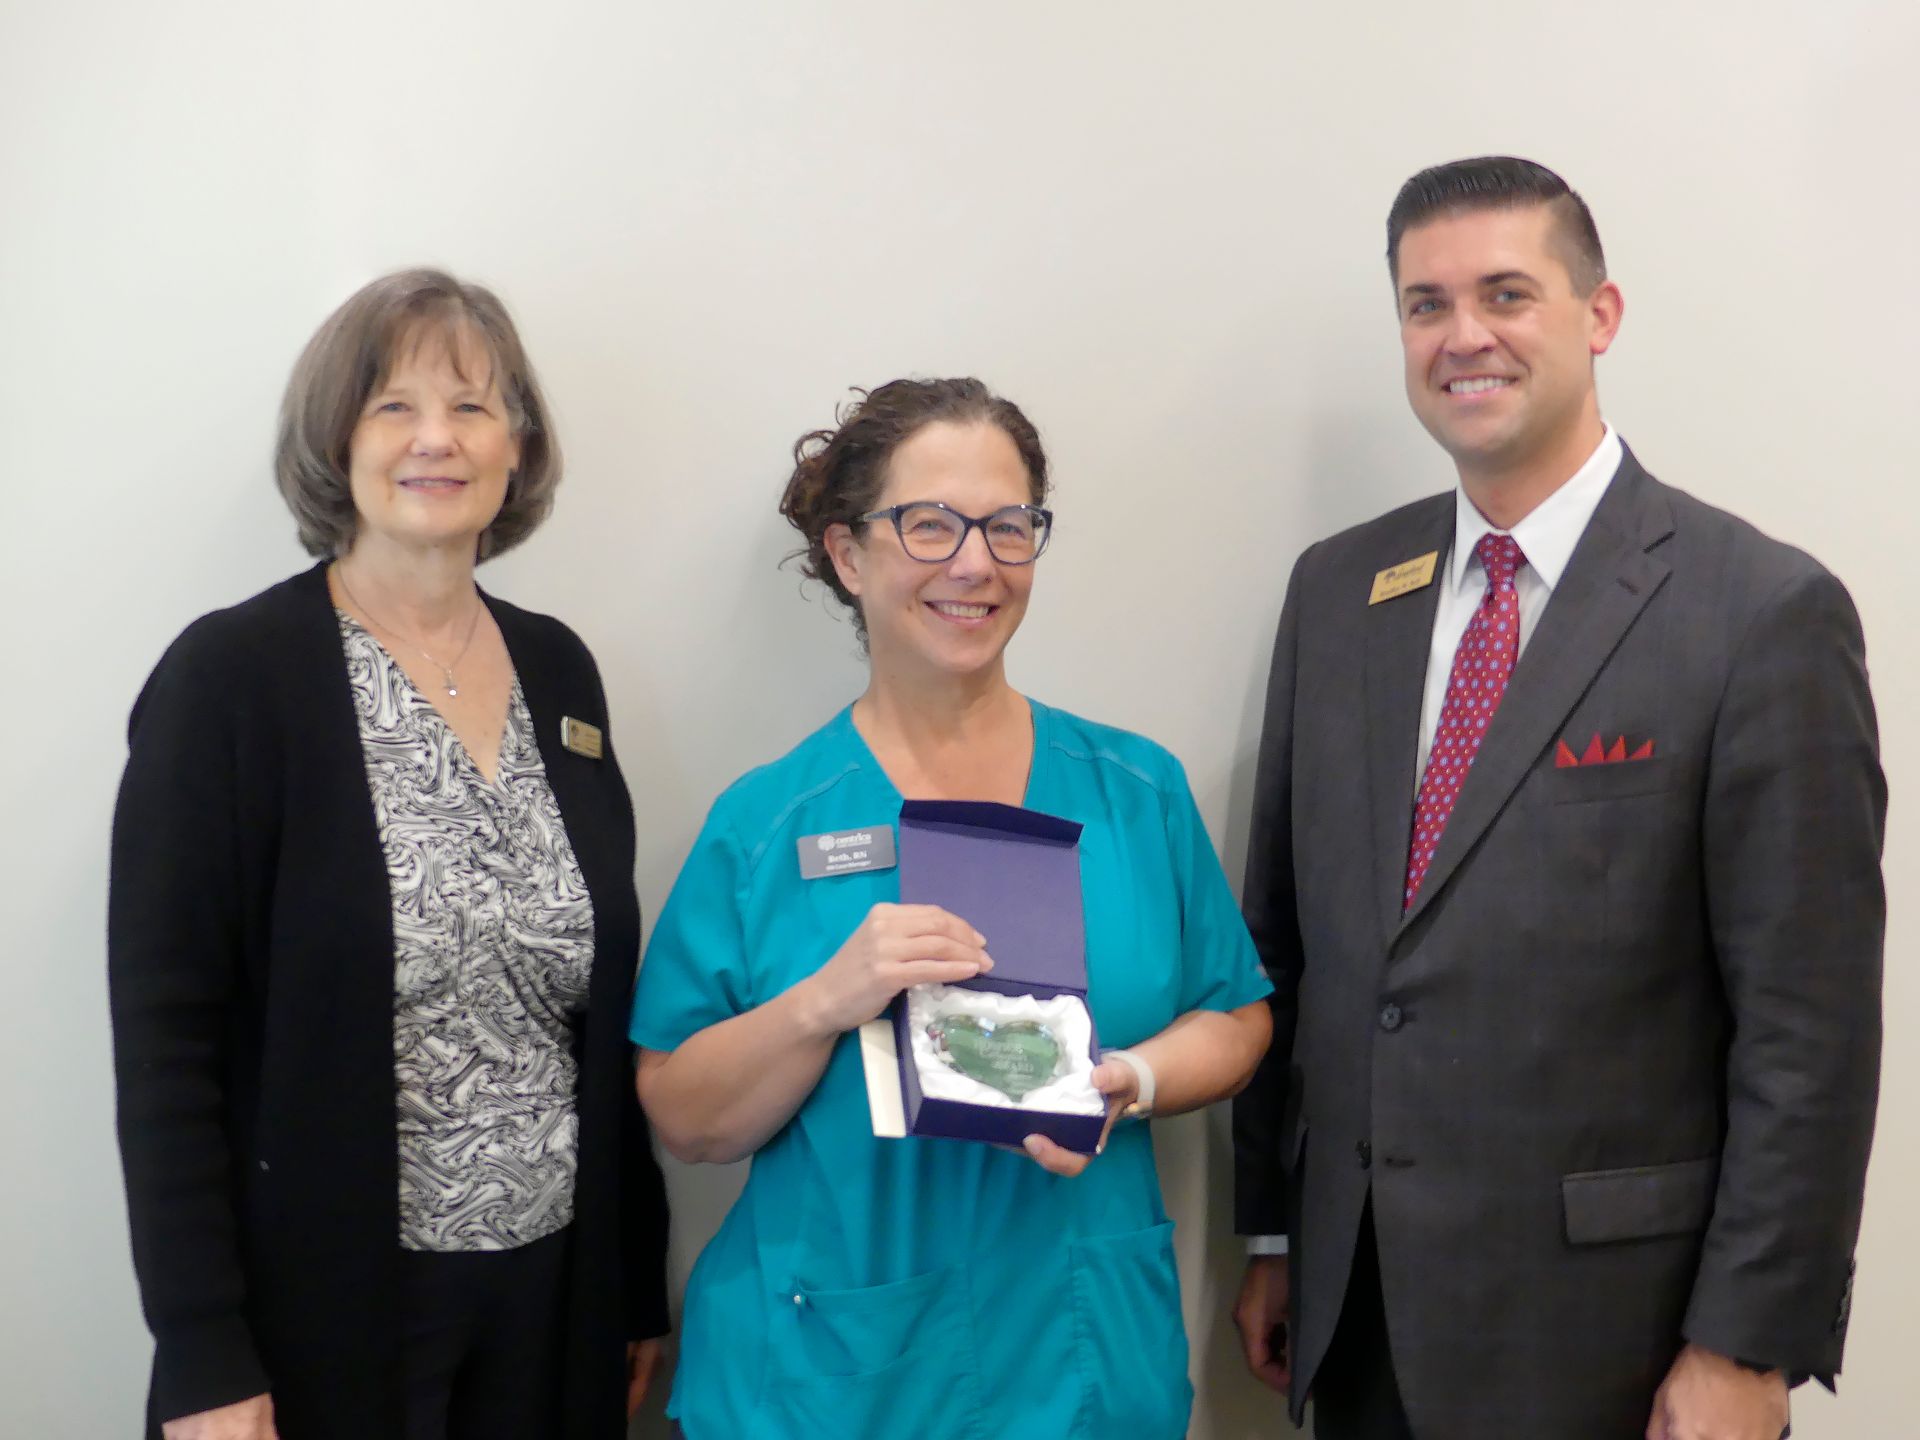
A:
446,669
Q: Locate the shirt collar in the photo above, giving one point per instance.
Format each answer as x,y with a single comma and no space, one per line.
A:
1549,532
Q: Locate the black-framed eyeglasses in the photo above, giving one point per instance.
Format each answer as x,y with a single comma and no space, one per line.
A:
933,533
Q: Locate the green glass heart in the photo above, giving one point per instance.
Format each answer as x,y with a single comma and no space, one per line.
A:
1013,1056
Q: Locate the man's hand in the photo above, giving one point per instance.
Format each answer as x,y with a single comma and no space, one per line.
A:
643,1358
1709,1397
1261,1315
243,1420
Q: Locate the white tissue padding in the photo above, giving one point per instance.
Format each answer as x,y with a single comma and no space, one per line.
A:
1069,1093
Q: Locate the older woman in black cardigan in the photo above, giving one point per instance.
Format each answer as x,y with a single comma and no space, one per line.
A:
372,936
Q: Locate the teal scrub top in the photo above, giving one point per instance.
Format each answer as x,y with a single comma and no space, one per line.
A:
927,1287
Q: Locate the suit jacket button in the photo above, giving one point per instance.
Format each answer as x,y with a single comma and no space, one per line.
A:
1364,1150
1390,1017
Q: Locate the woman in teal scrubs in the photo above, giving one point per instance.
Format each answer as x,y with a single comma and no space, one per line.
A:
926,1287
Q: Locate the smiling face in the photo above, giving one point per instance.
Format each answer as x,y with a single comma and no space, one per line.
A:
433,449
953,618
1499,346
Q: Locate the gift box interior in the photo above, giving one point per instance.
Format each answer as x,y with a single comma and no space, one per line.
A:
1014,875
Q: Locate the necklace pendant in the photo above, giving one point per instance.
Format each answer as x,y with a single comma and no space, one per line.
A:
453,690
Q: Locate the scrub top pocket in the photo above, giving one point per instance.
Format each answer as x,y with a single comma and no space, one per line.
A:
1132,1342
883,1360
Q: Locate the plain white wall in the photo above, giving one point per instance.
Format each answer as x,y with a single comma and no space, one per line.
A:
1157,227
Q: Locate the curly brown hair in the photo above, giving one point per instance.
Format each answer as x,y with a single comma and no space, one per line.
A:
838,474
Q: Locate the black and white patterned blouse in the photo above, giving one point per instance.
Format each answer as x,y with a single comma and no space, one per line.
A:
493,944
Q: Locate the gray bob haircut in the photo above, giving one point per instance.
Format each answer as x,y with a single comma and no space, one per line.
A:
350,356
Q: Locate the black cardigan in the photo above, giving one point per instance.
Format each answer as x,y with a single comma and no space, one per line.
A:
250,960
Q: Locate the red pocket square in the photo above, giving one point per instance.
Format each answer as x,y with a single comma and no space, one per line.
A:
1599,754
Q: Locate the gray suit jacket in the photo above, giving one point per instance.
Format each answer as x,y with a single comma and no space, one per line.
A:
1611,1081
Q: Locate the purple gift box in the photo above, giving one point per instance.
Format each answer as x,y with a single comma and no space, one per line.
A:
1014,875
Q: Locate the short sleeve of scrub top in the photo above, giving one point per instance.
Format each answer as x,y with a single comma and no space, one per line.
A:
697,956
939,1288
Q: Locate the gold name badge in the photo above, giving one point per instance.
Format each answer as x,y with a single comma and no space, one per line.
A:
580,737
1408,575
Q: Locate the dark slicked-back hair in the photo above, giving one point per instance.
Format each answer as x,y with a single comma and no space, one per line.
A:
1500,182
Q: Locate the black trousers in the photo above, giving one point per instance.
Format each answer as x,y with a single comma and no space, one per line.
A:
480,1342
1355,1395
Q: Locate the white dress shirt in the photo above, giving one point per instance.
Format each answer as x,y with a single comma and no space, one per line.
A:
1546,536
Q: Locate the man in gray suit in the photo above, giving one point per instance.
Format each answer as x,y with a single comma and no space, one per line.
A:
1565,862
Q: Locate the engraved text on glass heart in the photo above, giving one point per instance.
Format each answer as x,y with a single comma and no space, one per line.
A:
1012,1056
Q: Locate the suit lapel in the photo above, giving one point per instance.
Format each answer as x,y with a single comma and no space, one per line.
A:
1607,583
1399,633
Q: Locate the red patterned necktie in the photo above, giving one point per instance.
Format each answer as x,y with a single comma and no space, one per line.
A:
1481,668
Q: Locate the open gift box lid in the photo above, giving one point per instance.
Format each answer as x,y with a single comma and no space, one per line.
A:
1014,875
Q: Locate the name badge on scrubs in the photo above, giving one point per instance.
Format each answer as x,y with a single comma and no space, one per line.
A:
846,852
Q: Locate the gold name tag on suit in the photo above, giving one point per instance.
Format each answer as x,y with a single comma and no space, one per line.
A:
1414,574
580,737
